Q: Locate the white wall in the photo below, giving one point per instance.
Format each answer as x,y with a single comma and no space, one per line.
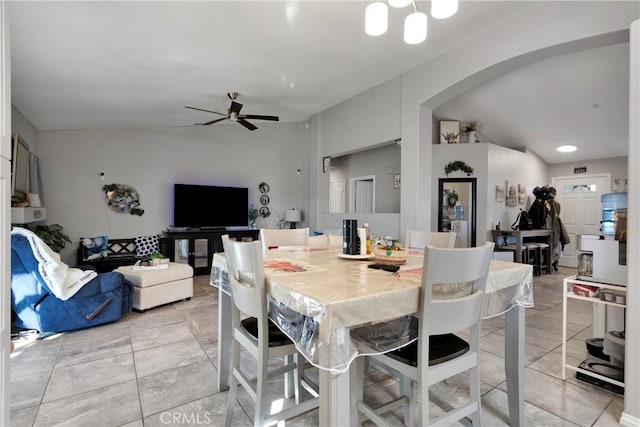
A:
23,127
368,119
152,160
616,166
524,168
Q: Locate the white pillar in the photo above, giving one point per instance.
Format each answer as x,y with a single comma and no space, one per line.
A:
631,414
5,212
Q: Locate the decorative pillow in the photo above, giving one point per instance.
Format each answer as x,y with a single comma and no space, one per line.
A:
146,245
94,247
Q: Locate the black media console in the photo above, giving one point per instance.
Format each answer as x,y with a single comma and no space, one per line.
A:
196,247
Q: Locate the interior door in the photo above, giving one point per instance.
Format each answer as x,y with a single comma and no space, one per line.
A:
363,196
337,196
580,208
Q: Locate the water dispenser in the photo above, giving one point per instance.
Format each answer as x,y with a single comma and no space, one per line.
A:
610,204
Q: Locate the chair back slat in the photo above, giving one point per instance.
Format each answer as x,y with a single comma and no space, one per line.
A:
444,320
453,266
419,239
246,275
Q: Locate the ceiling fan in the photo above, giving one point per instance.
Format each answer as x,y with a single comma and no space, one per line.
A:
233,114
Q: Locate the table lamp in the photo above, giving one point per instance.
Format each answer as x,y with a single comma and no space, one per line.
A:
292,216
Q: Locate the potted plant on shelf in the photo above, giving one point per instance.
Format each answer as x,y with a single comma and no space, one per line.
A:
470,129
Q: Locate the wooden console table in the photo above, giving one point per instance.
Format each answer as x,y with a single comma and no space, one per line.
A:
520,235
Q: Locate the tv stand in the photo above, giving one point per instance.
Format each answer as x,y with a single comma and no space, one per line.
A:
196,247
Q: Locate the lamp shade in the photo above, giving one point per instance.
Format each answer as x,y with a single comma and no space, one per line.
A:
292,215
441,9
375,19
415,28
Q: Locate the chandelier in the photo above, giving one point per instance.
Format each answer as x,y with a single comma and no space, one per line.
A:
415,24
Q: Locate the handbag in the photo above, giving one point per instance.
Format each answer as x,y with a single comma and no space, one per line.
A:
523,221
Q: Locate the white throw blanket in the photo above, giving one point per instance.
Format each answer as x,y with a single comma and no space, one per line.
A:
63,280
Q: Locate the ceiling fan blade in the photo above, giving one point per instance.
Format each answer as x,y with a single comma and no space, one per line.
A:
211,122
258,117
246,124
235,107
201,109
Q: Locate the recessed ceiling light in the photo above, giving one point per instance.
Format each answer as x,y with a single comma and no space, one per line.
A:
566,148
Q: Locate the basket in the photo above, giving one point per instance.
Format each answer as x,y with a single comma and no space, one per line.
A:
393,257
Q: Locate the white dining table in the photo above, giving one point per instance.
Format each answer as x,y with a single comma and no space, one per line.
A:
329,295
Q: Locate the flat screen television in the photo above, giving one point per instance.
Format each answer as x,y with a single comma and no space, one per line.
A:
208,206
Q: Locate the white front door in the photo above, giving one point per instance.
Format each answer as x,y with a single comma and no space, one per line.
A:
580,208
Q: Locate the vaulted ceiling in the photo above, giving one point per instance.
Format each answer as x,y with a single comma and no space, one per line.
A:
95,65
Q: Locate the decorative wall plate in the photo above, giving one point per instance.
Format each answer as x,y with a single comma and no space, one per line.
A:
263,187
264,199
264,212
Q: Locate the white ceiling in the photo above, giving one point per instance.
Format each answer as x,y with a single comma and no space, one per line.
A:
95,65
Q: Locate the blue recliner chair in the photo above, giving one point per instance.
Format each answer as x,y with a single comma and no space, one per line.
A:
104,299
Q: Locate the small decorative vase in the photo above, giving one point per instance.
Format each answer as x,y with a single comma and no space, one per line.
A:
471,137
252,224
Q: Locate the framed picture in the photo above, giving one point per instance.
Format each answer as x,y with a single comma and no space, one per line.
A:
449,132
34,200
512,194
326,163
396,180
500,193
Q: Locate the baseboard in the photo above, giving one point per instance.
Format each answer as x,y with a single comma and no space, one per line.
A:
629,420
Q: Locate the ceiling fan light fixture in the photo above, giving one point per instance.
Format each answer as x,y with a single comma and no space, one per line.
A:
441,9
566,148
399,3
375,18
415,28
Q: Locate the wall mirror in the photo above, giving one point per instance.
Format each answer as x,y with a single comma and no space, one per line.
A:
366,181
457,209
19,167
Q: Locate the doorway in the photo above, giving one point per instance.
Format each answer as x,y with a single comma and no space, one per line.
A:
337,196
363,195
580,208
459,192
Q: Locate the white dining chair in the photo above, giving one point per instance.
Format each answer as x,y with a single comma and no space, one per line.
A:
446,353
258,335
319,241
418,239
273,237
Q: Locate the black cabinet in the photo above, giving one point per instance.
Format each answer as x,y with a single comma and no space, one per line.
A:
196,248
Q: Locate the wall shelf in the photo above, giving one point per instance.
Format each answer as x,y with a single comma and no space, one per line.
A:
27,215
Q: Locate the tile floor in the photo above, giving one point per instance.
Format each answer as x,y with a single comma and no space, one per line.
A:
159,368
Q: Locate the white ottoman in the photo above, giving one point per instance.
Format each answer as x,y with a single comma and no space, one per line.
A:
156,286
